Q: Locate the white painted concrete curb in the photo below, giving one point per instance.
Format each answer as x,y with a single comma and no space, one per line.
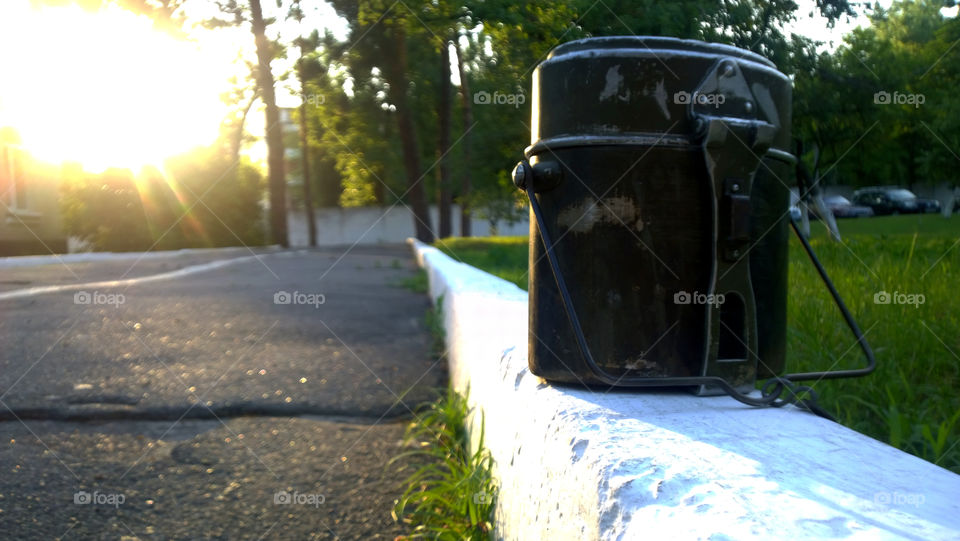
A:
578,464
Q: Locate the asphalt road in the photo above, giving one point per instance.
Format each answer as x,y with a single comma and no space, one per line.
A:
262,399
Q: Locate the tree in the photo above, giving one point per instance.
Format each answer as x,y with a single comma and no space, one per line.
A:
387,100
380,35
354,132
305,45
169,15
466,228
276,177
443,113
105,210
219,197
891,92
325,112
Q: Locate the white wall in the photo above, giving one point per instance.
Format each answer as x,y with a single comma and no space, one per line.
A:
578,464
377,225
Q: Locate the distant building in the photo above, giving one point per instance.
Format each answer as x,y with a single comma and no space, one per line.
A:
291,139
30,221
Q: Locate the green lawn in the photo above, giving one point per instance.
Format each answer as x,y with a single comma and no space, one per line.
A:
903,224
912,400
505,257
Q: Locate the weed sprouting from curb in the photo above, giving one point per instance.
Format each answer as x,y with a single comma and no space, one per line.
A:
453,495
433,319
418,282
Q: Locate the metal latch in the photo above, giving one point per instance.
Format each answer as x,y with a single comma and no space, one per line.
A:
734,140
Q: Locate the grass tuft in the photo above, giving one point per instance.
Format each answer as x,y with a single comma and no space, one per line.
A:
453,494
417,282
433,319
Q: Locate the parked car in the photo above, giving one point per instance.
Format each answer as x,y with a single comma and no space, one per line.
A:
841,207
929,205
893,200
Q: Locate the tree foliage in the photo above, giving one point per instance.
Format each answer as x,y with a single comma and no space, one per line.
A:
105,210
372,101
203,198
501,42
882,108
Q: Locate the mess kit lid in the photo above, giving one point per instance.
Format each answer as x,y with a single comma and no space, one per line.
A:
652,90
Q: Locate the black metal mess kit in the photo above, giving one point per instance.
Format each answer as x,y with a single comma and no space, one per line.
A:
659,174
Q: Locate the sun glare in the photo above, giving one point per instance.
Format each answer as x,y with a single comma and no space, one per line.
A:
105,89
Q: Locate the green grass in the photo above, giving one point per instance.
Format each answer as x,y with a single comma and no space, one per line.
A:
433,320
903,224
453,495
505,257
912,400
417,282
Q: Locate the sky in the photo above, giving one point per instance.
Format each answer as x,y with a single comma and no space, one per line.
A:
86,87
811,24
106,89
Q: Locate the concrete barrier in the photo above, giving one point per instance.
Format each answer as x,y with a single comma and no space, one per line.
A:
378,225
575,463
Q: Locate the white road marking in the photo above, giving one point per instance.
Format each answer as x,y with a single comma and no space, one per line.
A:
186,271
93,257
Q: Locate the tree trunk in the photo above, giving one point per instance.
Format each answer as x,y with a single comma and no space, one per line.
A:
465,186
305,165
277,182
397,77
445,198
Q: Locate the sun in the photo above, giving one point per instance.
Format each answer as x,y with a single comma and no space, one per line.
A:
105,88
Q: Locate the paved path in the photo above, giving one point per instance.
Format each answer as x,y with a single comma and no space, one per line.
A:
204,403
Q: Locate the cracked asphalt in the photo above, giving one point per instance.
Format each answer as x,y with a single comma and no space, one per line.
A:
260,400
